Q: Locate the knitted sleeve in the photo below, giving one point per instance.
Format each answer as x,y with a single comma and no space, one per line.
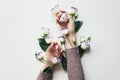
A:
74,66
45,76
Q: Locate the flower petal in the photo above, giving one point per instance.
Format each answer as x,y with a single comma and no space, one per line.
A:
48,40
65,31
61,39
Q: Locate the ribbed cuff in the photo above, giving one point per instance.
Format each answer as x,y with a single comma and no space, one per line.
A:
45,76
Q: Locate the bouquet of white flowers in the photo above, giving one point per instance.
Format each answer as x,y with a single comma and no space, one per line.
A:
45,40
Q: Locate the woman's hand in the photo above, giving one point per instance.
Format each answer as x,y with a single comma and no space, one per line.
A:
69,24
53,50
71,30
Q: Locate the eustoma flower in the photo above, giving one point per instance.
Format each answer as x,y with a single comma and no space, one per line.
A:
62,40
56,60
40,56
85,45
74,12
84,42
63,18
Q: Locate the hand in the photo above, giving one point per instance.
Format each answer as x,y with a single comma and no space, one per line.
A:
70,24
71,28
53,50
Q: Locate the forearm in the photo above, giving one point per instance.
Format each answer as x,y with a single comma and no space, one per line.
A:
74,66
46,73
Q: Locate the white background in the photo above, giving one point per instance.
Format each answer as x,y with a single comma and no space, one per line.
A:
20,22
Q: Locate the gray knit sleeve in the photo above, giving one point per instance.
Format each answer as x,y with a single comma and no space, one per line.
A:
74,66
45,76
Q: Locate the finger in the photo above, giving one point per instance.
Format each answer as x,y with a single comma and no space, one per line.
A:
61,51
58,54
59,15
53,44
57,20
57,48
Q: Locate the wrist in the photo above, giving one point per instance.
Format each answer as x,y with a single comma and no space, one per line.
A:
47,68
45,65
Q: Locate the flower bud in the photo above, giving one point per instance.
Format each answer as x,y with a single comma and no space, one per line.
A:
88,38
82,39
74,40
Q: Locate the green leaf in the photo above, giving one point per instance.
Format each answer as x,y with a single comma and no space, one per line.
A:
48,70
64,63
78,25
43,44
81,51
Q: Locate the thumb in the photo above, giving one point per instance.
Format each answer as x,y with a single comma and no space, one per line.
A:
53,44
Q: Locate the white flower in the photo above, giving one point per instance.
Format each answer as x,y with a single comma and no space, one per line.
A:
61,39
44,31
40,55
85,45
56,60
63,17
65,31
82,39
48,40
73,10
55,10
